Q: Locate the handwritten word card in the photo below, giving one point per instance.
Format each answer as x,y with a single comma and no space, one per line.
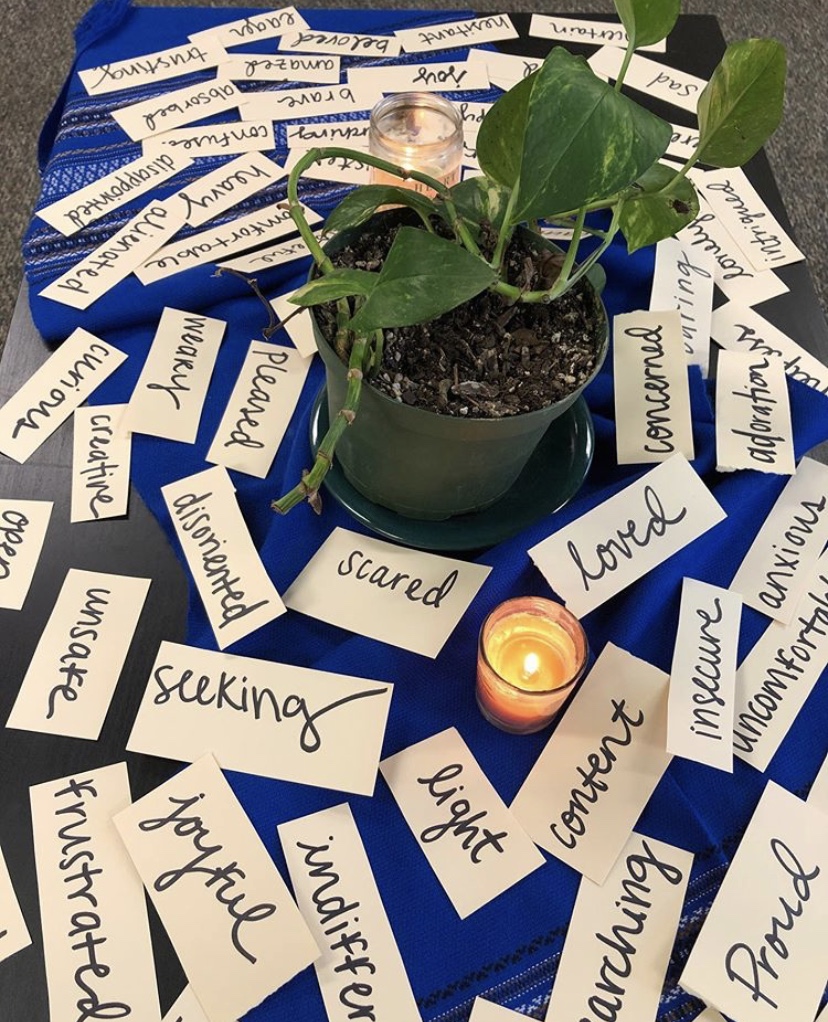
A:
260,408
281,67
395,594
23,525
273,255
350,44
176,109
318,101
642,899
235,588
80,654
486,29
447,77
168,398
505,69
818,795
652,389
353,134
328,865
703,675
683,144
54,391
777,676
590,784
93,913
299,327
471,840
648,76
226,186
14,934
101,457
488,1011
228,913
215,139
614,544
344,169
754,958
261,25
265,718
151,67
186,1009
588,33
683,280
753,414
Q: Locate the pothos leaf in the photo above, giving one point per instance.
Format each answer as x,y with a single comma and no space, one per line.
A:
339,283
363,202
652,214
647,21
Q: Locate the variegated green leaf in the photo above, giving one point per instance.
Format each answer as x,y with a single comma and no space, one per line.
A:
501,136
339,283
362,203
650,214
647,21
477,199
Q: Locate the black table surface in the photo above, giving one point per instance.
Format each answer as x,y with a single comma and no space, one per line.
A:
136,545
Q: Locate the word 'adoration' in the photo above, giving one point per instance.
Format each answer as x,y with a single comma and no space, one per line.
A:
89,620
12,529
749,336
362,568
762,445
462,822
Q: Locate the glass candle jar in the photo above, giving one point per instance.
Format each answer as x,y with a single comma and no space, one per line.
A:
531,654
417,131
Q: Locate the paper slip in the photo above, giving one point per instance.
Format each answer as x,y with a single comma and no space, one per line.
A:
455,76
745,216
818,795
80,654
772,576
235,588
754,958
753,414
488,1011
316,101
151,67
54,391
684,142
624,929
116,258
14,934
472,114
23,525
703,675
471,840
260,408
101,457
740,329
215,139
344,169
644,75
632,532
186,1009
451,35
93,913
683,280
168,398
281,67
778,674
408,598
227,186
262,25
73,212
354,45
217,243
353,134
227,911
505,69
588,33
176,109
652,388
273,255
299,327
710,1015
328,867
264,718
590,784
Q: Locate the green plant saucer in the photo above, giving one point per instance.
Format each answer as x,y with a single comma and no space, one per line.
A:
551,479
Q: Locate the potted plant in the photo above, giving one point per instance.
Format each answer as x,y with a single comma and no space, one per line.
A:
560,145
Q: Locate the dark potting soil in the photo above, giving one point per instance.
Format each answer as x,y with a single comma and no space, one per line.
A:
486,358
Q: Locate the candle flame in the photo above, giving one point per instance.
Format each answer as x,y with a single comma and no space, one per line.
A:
531,664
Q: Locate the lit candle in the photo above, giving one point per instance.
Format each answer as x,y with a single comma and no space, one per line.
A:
417,131
531,654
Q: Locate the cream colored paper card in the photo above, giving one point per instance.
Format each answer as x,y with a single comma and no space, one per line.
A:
408,598
264,718
710,1015
177,109
818,795
327,860
260,408
488,1011
616,543
281,67
703,675
315,101
186,1009
753,414
590,784
224,905
737,328
684,142
217,243
754,958
168,398
215,139
472,114
79,657
451,76
151,67
650,77
344,169
778,674
86,205
624,928
116,258
683,280
343,43
587,33
299,327
486,29
652,388
96,938
23,527
262,25
101,458
505,69
353,134
471,840
772,576
54,391
235,588
273,255
227,186
14,934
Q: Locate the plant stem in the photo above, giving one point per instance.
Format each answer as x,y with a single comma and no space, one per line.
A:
572,251
506,230
619,81
683,171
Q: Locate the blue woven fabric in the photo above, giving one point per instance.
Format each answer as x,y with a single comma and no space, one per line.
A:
509,950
